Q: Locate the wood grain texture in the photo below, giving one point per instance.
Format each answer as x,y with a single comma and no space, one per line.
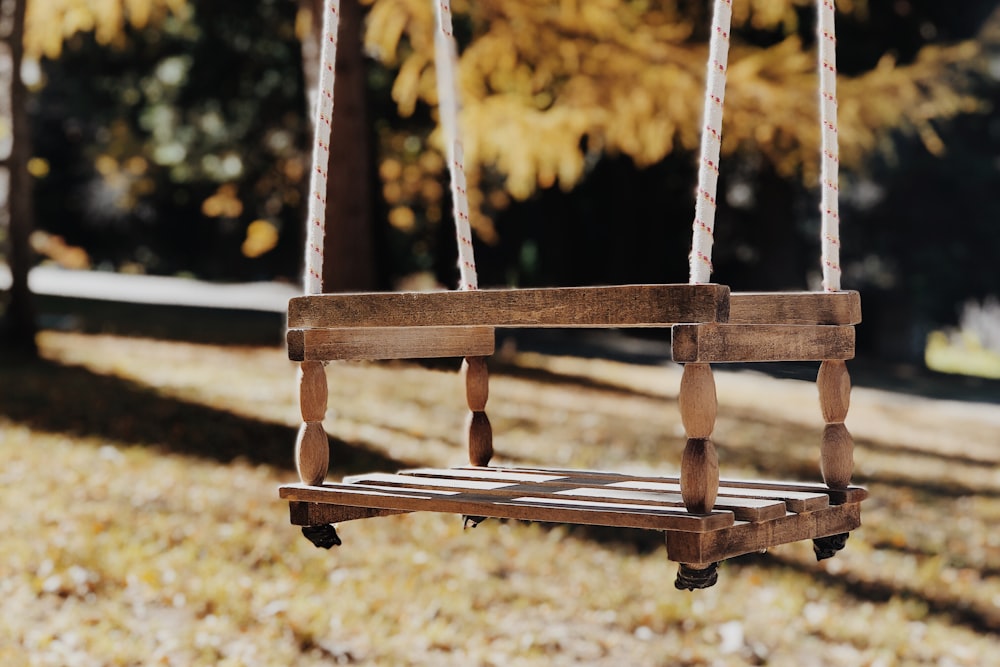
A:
389,343
699,475
592,307
837,456
744,538
591,497
834,385
697,400
850,495
477,382
547,509
312,453
744,509
768,488
795,500
721,343
795,308
313,391
480,438
316,514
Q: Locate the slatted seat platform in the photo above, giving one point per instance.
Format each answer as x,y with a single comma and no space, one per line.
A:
791,512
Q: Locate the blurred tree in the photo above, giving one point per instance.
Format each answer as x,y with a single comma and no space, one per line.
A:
349,257
190,135
36,27
49,23
550,89
176,148
18,327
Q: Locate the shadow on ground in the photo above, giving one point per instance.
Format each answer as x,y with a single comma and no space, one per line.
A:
57,398
651,347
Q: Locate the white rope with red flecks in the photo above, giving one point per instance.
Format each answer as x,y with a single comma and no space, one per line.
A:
445,59
323,122
711,143
830,168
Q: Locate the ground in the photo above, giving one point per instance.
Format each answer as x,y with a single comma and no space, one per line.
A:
141,523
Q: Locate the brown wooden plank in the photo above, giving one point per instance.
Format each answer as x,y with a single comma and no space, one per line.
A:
497,474
743,538
795,308
798,497
315,514
852,494
744,509
609,306
442,484
793,501
523,508
721,343
729,499
389,343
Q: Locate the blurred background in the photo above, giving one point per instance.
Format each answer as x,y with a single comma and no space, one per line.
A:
172,138
154,158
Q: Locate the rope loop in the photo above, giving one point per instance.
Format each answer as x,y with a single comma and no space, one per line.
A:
703,229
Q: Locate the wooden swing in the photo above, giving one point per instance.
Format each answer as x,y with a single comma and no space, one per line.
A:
705,519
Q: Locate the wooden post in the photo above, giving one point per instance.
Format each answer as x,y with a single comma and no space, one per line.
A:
837,448
312,448
700,463
477,426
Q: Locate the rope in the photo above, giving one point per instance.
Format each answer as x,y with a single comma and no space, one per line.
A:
829,173
711,144
321,150
448,105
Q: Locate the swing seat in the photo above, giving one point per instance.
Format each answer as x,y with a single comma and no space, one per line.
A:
708,324
748,516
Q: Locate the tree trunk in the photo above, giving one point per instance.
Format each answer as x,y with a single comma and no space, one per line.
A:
19,327
349,258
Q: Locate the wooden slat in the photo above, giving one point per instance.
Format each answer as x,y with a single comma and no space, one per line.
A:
760,506
314,514
719,343
611,306
852,494
794,501
795,308
744,509
555,510
389,343
743,538
797,497
596,498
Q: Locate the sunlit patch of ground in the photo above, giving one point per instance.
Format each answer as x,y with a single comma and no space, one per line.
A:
141,524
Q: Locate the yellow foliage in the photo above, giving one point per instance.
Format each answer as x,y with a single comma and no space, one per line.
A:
225,203
56,249
49,22
541,78
261,238
38,167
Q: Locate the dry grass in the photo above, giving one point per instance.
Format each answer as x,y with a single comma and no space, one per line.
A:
141,523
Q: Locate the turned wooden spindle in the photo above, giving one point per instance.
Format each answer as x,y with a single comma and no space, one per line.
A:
312,448
699,463
477,424
837,448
